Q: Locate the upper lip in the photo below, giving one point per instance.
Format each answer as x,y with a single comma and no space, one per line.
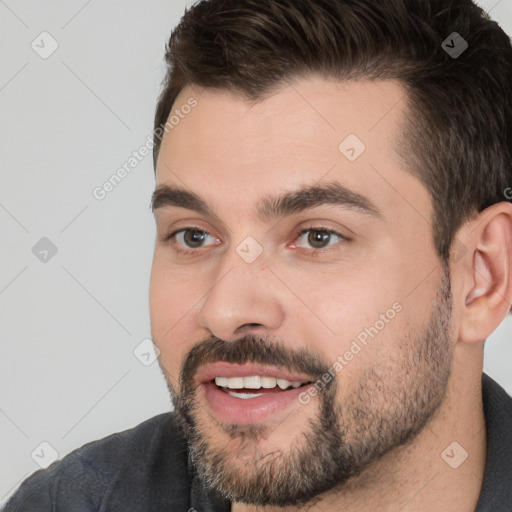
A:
209,371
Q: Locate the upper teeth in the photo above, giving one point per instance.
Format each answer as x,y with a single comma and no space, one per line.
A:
254,382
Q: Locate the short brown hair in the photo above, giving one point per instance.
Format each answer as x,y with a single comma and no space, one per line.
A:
458,134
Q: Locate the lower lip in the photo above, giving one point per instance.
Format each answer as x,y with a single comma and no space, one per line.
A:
229,409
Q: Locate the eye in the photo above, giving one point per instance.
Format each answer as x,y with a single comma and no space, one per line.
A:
318,238
192,238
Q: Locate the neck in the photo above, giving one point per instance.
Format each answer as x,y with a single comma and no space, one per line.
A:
429,472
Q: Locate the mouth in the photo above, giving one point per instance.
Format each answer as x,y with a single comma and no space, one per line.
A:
255,385
246,394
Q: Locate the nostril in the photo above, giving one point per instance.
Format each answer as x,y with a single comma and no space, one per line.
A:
245,327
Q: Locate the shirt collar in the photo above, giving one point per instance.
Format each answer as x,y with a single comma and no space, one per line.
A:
496,493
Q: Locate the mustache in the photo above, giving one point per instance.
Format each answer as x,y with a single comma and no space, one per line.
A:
251,349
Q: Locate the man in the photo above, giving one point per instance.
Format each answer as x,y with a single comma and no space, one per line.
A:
333,249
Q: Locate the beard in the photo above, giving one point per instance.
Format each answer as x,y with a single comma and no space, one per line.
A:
387,405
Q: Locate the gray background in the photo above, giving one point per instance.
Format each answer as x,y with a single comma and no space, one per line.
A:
69,325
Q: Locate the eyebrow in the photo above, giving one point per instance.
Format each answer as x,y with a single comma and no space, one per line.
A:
270,207
310,197
164,195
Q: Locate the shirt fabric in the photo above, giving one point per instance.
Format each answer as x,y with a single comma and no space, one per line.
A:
148,469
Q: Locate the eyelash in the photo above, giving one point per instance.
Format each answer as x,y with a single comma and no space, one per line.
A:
170,239
322,230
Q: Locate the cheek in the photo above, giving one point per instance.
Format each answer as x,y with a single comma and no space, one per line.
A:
171,304
355,311
172,294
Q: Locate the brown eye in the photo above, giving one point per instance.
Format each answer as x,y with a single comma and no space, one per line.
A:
318,238
194,238
190,238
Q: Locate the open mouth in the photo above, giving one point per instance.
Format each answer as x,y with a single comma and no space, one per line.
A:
254,386
249,393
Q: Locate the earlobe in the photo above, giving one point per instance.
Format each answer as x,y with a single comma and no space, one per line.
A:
489,291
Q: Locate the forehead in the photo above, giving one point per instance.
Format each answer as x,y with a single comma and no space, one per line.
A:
312,111
305,132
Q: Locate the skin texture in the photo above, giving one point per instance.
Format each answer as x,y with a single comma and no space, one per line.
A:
232,154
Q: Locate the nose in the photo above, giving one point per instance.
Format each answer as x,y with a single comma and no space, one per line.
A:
243,299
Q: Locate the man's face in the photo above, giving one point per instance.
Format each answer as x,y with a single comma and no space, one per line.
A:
301,251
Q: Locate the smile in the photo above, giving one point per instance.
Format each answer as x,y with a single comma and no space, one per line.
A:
246,394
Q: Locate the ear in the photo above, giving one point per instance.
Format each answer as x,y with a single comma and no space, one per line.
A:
487,289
